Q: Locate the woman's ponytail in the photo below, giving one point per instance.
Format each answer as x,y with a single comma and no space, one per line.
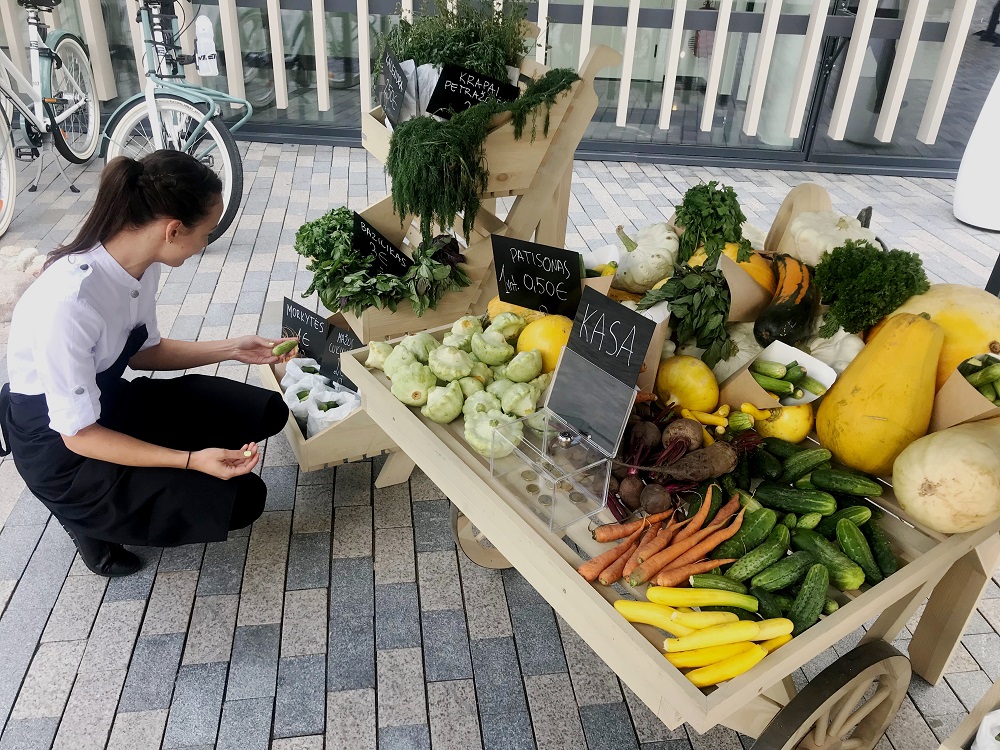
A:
164,184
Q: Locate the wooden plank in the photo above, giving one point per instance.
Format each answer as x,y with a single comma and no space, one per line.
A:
322,65
396,470
230,23
906,50
96,37
807,67
715,65
894,618
278,52
850,74
672,61
761,66
944,77
625,87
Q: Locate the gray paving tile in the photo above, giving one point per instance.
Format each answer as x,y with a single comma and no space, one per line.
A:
936,700
90,711
17,543
75,609
392,507
254,667
354,484
210,634
351,653
186,557
354,728
170,604
454,719
535,629
397,616
308,561
648,727
909,729
222,567
352,591
352,532
138,585
142,729
29,734
314,742
446,645
485,601
401,691
49,680
608,727
970,687
394,556
985,649
510,730
27,511
304,624
440,585
322,476
498,676
432,526
554,713
245,725
404,738
197,705
113,635
150,681
300,704
593,681
280,482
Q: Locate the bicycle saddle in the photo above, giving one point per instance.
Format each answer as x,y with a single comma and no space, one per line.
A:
40,4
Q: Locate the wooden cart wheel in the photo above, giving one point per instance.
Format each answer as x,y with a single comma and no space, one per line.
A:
470,541
848,706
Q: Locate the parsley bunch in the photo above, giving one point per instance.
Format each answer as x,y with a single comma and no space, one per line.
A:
711,216
699,309
862,284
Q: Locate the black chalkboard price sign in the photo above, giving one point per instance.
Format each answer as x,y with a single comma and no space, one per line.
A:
338,340
611,336
458,89
536,276
310,328
368,241
393,86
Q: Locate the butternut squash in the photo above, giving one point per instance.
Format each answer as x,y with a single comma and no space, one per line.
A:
883,400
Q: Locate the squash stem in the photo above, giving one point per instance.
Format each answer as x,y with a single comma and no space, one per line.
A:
629,243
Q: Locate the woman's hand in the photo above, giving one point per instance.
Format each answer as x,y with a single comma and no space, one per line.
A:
254,350
225,464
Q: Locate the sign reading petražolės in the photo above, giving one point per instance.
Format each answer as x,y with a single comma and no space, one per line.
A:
458,89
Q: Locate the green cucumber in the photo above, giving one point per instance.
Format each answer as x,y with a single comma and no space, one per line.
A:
855,546
763,465
988,391
719,582
785,601
728,484
986,375
766,554
830,606
845,483
767,605
774,370
845,574
784,498
280,350
782,448
857,514
718,500
809,601
786,572
812,385
747,501
969,366
795,373
881,547
742,473
804,483
802,463
789,520
808,521
754,530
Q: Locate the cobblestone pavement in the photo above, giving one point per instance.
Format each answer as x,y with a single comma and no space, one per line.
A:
345,617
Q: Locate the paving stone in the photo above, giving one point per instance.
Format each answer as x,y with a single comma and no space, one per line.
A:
401,693
29,734
351,720
498,676
299,743
308,561
300,705
593,681
169,608
185,557
936,700
392,507
554,713
397,616
404,738
245,725
454,719
432,526
909,729
351,653
263,579
717,738
17,543
440,585
305,618
75,609
535,629
446,646
197,705
970,687
353,485
422,488
222,568
254,667
150,681
648,727
90,711
352,532
50,677
142,729
352,585
27,511
394,556
111,640
510,730
138,585
210,635
313,509
280,481
608,727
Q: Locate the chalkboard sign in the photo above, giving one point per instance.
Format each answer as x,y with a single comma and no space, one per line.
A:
611,336
338,340
310,328
536,276
393,87
458,89
368,241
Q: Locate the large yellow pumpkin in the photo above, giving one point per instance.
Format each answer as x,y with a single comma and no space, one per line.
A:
970,319
549,335
760,270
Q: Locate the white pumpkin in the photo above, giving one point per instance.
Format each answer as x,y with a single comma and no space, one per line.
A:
816,232
949,481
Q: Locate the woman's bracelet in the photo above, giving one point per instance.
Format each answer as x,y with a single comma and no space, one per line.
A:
188,462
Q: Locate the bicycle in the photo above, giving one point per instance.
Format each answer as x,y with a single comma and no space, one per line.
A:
64,110
185,117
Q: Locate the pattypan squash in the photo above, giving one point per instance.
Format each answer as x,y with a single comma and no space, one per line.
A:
480,403
411,382
524,367
499,387
444,403
470,386
838,351
817,232
481,372
491,348
461,341
377,352
420,345
399,357
479,429
449,363
519,400
647,259
467,325
508,324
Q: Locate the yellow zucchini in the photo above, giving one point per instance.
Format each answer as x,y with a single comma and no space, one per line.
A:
702,657
717,635
727,669
648,613
774,628
675,597
699,620
774,643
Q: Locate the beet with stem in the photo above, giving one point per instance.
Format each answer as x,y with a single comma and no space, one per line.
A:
630,491
646,434
656,498
706,463
686,430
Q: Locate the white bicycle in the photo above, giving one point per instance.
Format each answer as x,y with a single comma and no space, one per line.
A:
64,111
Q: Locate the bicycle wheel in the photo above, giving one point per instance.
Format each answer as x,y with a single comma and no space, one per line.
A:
131,135
71,84
8,175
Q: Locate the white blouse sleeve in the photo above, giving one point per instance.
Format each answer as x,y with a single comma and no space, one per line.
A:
63,354
147,307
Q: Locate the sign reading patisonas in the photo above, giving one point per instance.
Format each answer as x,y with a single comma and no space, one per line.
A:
458,89
310,329
611,336
539,277
369,241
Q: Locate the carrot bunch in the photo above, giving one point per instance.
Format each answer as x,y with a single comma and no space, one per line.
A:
665,554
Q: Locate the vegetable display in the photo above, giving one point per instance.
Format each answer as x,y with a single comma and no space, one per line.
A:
711,216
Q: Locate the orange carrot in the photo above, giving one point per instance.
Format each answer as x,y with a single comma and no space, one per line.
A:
698,519
659,561
611,532
702,549
658,544
594,567
679,576
633,561
728,510
614,571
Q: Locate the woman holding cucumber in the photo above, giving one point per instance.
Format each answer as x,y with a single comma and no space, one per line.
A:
142,462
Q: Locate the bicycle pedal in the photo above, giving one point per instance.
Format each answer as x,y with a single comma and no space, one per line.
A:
26,153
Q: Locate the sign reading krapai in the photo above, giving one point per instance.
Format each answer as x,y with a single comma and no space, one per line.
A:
458,89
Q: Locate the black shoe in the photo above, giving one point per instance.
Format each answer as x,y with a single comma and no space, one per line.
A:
105,558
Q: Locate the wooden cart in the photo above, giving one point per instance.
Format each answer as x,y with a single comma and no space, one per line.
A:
863,688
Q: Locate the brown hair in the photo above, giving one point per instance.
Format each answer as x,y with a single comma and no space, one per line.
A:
164,184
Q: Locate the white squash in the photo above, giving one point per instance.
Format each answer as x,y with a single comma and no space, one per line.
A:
816,232
949,481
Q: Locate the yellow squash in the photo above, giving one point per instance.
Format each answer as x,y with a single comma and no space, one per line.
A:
882,402
497,306
757,267
648,613
702,657
548,334
688,383
727,669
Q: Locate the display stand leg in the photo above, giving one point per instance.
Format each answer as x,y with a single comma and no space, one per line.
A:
894,618
552,226
950,608
396,470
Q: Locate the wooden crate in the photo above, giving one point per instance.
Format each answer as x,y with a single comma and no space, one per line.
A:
747,703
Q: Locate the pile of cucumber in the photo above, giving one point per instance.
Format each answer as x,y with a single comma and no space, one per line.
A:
983,374
785,381
807,527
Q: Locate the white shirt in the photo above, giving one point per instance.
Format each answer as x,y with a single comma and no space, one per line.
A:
71,324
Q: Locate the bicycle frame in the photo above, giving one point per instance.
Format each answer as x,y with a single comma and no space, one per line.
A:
160,44
40,55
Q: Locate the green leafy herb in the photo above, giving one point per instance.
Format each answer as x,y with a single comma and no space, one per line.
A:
699,309
862,284
711,216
